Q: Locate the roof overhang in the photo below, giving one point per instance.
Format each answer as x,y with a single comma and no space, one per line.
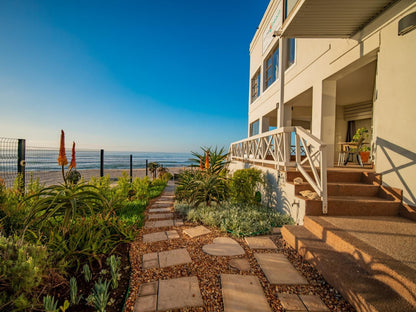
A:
331,18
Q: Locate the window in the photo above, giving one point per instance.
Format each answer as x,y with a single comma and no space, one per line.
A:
271,67
290,55
255,86
254,127
290,4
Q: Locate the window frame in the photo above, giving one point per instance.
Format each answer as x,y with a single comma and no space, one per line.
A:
255,82
274,67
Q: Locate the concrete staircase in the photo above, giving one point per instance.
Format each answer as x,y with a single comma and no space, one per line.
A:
351,193
362,247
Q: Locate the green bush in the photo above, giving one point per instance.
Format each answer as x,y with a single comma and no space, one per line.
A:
240,220
66,201
244,186
196,187
22,266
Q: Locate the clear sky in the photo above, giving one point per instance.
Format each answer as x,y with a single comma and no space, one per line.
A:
138,75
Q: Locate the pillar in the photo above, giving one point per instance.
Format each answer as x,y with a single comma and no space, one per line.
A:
324,115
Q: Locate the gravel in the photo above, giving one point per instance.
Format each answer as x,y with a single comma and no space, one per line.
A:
208,269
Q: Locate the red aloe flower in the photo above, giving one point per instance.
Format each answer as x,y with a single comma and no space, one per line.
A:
73,163
207,160
62,161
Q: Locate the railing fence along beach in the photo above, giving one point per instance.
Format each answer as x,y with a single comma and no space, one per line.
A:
37,162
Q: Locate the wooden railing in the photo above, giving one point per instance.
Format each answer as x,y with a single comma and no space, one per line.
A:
274,148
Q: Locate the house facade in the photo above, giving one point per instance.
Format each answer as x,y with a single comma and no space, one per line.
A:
331,67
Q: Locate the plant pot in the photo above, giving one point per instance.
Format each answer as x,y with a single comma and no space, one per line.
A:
365,156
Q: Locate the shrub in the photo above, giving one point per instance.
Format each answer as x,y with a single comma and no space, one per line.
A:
100,295
22,266
244,185
66,201
197,187
114,263
241,220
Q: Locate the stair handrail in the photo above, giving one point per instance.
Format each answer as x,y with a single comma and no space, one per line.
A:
273,147
315,152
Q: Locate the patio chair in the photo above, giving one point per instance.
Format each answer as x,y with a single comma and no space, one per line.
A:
354,151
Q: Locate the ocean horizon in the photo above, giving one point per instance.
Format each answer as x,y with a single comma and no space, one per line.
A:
46,159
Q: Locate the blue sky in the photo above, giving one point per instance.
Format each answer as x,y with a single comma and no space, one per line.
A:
126,75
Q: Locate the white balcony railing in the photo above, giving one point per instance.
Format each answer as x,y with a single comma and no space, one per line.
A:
308,155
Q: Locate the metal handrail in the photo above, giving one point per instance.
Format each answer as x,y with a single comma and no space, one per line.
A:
273,147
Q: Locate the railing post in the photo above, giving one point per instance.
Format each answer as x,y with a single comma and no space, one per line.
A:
286,147
131,168
102,163
21,163
324,186
298,152
147,167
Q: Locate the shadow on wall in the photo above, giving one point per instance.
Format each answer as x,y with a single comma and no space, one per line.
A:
274,196
387,148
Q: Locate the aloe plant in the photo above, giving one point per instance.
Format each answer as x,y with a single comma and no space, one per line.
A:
114,263
50,304
101,295
87,272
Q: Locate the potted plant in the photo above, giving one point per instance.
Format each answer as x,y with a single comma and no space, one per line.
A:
365,153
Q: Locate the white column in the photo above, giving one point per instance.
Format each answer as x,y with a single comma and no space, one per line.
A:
282,58
323,115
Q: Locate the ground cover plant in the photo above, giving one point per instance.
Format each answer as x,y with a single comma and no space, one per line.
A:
65,247
209,194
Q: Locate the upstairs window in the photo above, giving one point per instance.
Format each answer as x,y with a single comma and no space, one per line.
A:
290,55
254,127
271,67
255,86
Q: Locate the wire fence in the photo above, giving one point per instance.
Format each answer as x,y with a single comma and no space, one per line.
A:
35,162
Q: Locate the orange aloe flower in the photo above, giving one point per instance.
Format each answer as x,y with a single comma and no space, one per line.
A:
207,160
73,163
200,163
62,161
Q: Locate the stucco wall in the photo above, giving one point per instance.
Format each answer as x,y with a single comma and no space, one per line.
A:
395,110
278,194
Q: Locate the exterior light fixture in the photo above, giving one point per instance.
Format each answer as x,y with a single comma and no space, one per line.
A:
407,24
277,33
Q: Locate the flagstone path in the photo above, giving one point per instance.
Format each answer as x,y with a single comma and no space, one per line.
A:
189,267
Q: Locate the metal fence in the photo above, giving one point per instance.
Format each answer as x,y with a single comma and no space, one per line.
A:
34,162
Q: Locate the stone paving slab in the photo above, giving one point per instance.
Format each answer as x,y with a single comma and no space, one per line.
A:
157,205
292,302
147,289
174,257
223,246
240,264
145,304
179,293
243,293
172,234
161,216
158,210
150,260
156,224
178,222
278,269
314,303
197,231
260,242
155,237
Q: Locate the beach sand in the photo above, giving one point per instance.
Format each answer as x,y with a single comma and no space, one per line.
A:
55,177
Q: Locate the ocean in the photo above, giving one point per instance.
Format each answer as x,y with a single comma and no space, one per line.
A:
45,159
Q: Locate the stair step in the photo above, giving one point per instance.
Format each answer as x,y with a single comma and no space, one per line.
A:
360,287
391,271
353,206
343,189
332,176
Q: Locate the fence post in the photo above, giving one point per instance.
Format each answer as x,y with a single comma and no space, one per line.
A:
101,163
21,162
131,168
147,166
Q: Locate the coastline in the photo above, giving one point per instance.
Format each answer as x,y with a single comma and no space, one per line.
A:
55,177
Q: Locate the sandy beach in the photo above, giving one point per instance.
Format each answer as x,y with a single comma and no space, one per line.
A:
55,177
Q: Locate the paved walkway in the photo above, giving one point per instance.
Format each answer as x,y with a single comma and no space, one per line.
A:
241,291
